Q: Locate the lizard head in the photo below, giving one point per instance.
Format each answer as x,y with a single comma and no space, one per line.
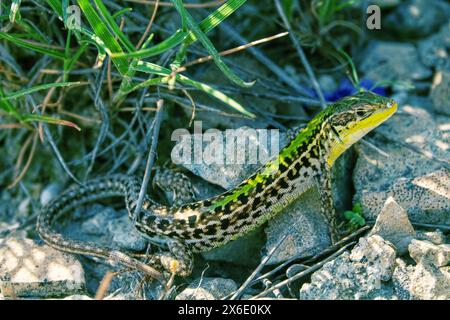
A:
353,117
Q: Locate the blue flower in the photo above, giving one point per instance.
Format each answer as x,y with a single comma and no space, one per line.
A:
346,88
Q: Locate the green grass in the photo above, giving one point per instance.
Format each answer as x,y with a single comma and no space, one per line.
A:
85,77
104,34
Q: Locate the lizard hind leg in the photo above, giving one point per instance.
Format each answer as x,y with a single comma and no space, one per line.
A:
177,260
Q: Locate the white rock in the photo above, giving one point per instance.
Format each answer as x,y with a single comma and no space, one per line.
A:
362,274
31,270
429,278
207,289
78,297
425,252
436,237
421,282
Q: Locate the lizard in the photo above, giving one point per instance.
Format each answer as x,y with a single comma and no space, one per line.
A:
185,229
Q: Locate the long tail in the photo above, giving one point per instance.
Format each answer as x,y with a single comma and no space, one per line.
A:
118,185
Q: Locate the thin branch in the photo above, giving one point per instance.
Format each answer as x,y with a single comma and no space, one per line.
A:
303,273
263,263
104,285
149,26
151,157
232,50
264,60
301,54
27,164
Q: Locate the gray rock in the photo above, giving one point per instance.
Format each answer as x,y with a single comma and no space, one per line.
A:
125,235
24,208
362,274
436,237
440,92
393,61
49,193
434,51
95,219
393,225
207,289
229,175
112,227
306,229
417,18
31,270
429,278
78,297
418,184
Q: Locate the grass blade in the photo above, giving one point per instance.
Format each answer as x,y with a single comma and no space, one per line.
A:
98,25
209,46
33,46
26,91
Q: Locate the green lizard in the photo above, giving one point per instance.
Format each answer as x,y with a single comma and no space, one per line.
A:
203,225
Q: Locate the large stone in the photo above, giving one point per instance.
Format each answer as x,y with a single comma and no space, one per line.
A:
362,274
108,226
230,172
417,18
393,61
440,92
418,184
392,224
207,289
434,51
28,269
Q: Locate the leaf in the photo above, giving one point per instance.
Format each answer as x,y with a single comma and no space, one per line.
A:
41,48
24,92
357,208
100,30
209,46
36,117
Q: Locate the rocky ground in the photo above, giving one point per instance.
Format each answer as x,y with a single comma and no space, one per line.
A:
402,185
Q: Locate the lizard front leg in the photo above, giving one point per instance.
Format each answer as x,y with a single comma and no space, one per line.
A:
326,196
